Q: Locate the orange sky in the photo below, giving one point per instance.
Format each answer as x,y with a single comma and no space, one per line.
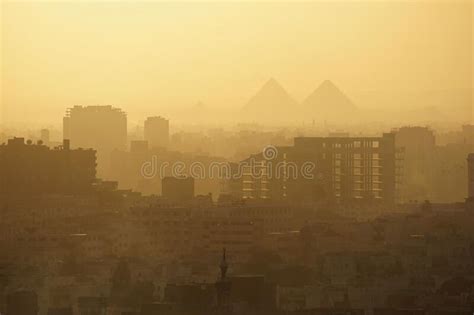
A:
147,57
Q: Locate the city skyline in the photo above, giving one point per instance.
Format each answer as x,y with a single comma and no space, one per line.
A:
236,157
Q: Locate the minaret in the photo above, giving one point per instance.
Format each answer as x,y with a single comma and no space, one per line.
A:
223,286
223,265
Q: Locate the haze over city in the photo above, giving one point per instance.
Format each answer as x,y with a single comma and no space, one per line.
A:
412,59
236,158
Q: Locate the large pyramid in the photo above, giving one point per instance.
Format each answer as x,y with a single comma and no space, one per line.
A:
272,100
328,101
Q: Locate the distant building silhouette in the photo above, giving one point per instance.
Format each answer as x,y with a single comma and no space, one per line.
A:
45,136
22,303
470,182
35,168
103,128
156,131
468,134
138,146
470,175
178,189
418,144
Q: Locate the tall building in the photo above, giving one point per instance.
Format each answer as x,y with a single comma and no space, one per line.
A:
468,134
470,175
35,168
45,136
418,145
156,131
332,168
103,128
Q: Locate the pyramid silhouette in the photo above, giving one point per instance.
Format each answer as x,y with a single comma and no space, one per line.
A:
272,98
328,100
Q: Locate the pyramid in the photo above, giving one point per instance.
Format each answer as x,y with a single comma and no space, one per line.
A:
271,99
328,100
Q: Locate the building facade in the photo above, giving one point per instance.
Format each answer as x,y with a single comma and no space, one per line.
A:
418,145
323,168
103,128
35,168
177,189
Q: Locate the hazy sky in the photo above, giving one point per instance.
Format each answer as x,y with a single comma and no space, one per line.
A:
148,56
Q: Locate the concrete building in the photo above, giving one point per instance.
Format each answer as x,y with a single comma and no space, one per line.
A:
156,131
103,128
468,134
178,189
35,168
138,146
342,169
45,136
187,232
418,145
